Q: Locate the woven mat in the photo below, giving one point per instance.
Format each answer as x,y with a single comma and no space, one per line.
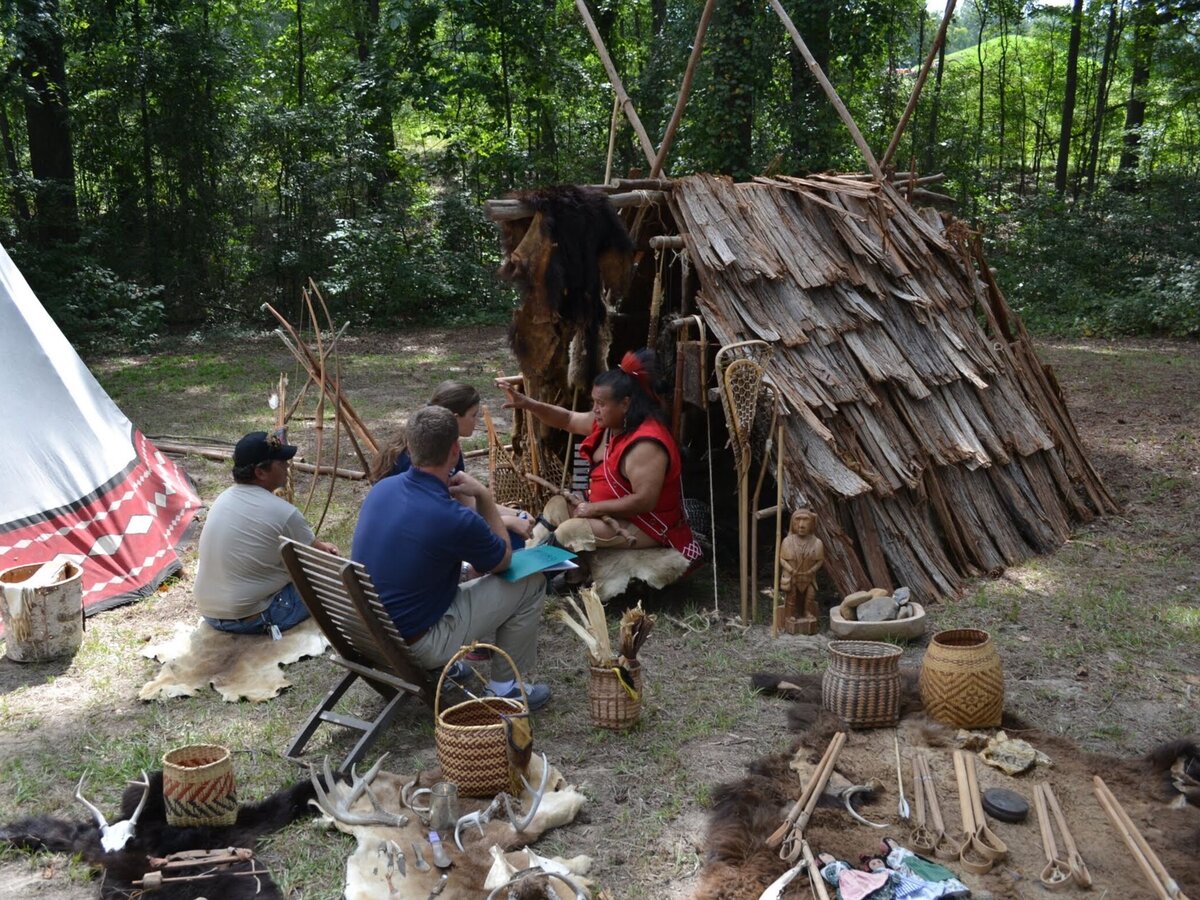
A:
236,666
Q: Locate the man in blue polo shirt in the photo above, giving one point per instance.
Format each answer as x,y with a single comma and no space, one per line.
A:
413,536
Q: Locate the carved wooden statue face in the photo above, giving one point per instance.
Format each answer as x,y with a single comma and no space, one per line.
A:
803,522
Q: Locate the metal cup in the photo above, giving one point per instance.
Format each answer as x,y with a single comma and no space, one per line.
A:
441,811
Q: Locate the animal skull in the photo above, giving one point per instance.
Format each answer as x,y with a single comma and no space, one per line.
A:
115,837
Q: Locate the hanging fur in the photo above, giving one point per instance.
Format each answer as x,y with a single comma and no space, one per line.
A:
155,837
574,245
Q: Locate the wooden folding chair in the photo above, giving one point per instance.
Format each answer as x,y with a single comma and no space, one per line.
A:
343,602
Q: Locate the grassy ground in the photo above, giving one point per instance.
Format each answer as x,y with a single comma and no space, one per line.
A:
1101,641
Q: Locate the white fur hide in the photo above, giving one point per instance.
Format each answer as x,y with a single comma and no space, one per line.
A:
371,872
236,665
612,570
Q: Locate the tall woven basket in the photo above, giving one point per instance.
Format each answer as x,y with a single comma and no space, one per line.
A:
470,736
198,786
962,679
862,684
610,703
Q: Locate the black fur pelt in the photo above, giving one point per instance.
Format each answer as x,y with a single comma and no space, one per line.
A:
154,837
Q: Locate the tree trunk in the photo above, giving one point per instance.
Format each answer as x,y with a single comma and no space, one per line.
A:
150,235
1145,35
935,107
1068,107
47,123
14,170
813,121
979,56
1110,43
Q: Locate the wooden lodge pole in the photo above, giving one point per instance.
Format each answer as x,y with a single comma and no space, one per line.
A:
916,91
615,80
829,90
685,90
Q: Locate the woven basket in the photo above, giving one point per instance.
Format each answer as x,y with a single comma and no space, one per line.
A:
862,684
962,680
198,786
611,705
470,735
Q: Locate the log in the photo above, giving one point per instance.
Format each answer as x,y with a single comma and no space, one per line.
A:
507,210
221,453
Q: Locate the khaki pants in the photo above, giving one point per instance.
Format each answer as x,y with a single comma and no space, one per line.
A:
580,536
484,607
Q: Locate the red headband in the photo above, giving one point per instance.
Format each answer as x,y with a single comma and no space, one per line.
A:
631,365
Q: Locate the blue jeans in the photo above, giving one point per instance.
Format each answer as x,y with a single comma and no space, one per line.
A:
286,610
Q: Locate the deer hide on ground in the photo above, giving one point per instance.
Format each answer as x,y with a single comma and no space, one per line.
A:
371,872
236,665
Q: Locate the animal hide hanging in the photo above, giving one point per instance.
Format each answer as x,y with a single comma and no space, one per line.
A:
154,837
573,247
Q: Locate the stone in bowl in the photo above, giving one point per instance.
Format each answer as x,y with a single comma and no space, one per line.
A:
899,629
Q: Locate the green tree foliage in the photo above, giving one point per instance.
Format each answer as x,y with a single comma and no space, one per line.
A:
171,164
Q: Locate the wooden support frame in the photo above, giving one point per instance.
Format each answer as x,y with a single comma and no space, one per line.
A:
615,80
685,90
920,84
832,94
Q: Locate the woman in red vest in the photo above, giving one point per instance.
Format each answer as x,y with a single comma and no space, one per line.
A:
635,484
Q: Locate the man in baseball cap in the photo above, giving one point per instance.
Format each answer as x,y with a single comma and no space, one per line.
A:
241,584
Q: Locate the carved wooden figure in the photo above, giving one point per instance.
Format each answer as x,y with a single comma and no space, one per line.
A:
801,556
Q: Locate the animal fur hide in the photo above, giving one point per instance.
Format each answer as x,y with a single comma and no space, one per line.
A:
612,570
574,245
237,666
370,877
154,837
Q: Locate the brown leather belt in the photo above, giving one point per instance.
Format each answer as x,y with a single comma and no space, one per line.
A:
411,639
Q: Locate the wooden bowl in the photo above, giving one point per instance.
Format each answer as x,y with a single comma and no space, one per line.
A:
897,629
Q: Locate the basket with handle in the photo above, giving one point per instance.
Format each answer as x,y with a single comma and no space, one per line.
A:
609,702
470,736
198,786
862,684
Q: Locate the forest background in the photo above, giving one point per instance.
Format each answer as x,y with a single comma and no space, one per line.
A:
171,164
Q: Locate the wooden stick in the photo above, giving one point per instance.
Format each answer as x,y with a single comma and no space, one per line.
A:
779,463
612,139
1156,873
829,90
507,210
916,91
615,80
797,810
685,90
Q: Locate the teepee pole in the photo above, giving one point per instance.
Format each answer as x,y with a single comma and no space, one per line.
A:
615,80
829,90
685,90
916,91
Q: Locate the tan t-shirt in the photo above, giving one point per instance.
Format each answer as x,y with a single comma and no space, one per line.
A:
240,569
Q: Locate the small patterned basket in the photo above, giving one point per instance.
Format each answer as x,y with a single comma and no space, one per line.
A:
862,684
610,703
470,736
198,786
962,679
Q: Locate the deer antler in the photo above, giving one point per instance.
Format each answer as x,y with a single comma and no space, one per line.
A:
339,807
520,824
100,820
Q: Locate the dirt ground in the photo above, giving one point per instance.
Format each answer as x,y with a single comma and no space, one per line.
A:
1100,644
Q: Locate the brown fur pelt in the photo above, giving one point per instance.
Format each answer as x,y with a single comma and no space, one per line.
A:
574,244
1178,765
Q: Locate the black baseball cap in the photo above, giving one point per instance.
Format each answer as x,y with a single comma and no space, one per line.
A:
260,447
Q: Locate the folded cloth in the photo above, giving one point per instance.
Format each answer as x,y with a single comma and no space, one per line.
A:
930,880
855,884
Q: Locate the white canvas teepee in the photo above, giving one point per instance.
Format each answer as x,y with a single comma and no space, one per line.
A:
77,480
